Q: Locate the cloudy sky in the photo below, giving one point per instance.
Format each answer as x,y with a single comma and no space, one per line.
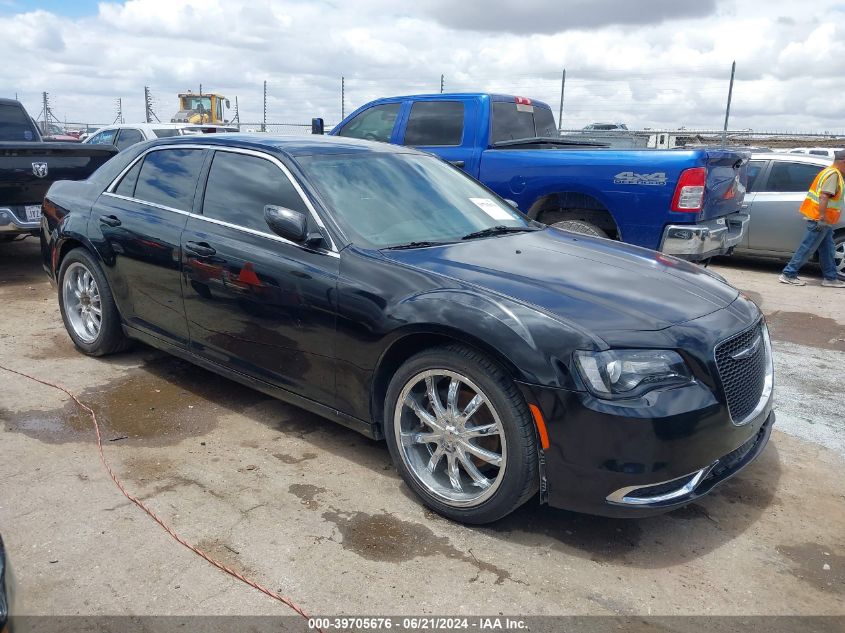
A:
648,63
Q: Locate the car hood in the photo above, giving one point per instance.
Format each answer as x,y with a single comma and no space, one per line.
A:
601,285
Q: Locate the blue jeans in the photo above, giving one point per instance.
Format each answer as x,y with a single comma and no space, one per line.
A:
814,239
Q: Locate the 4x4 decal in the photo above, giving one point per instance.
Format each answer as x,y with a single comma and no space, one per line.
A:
632,178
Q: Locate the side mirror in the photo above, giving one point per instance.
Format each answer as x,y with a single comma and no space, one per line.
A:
291,225
227,104
318,126
287,223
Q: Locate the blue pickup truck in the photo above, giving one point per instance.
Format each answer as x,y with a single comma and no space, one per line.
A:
682,202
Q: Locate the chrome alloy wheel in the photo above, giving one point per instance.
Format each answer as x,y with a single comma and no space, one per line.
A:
81,298
839,259
450,437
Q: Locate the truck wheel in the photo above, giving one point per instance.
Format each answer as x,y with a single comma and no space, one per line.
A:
461,435
87,306
580,226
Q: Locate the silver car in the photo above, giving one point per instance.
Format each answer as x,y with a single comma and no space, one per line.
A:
777,184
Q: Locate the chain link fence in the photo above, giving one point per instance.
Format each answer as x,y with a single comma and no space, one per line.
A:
615,139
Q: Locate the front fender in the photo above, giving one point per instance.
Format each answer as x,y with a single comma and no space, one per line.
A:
535,347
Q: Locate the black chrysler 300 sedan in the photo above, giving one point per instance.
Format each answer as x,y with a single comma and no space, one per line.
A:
386,290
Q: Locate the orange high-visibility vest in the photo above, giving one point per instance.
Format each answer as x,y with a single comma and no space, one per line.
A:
810,206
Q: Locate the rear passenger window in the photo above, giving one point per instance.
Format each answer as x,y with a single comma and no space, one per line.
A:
239,186
169,177
435,123
128,137
792,177
127,183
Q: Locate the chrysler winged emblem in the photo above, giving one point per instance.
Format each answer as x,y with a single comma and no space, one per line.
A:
748,351
39,170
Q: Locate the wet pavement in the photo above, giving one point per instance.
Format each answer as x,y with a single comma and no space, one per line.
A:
316,511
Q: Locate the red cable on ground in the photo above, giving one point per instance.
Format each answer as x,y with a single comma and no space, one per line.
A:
272,594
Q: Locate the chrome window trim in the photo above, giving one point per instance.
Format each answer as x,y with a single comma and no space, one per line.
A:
269,236
331,251
156,205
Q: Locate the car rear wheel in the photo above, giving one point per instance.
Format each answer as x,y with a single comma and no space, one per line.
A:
839,254
580,226
461,435
87,306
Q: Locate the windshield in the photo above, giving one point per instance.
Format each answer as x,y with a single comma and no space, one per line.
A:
202,104
384,200
513,121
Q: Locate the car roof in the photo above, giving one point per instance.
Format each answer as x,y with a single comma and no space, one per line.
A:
446,96
792,158
292,146
142,126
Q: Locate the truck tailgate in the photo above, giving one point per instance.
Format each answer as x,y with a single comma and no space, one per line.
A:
28,169
724,189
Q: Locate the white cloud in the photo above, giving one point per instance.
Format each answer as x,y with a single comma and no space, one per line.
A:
665,66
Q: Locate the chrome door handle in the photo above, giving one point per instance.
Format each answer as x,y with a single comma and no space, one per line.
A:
200,249
110,220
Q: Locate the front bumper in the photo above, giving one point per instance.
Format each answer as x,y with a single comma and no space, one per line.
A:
13,222
697,242
607,461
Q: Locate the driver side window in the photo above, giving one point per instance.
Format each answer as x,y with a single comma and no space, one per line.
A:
373,124
106,137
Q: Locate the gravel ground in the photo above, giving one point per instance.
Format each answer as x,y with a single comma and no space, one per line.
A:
317,512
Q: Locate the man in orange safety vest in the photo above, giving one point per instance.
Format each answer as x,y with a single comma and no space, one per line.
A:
822,207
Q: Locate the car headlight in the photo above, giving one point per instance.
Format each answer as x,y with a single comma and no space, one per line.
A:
627,373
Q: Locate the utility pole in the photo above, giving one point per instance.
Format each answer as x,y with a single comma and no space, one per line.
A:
46,99
560,114
237,115
728,108
342,98
119,117
441,83
148,106
264,123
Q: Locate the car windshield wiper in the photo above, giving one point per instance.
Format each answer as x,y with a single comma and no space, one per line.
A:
421,244
499,229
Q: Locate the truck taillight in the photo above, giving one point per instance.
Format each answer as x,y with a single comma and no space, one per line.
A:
689,194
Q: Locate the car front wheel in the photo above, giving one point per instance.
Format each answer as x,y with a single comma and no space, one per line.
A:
461,435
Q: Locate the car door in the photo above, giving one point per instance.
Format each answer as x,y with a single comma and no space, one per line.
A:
444,128
255,302
777,225
136,226
127,137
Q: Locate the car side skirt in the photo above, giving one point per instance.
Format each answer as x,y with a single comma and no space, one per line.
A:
365,428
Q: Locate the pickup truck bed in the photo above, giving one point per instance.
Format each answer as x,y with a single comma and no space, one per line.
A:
28,166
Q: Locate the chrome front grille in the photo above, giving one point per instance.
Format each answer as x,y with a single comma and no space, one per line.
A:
745,369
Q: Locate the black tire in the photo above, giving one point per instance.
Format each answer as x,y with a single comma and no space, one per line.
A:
110,339
518,480
580,226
